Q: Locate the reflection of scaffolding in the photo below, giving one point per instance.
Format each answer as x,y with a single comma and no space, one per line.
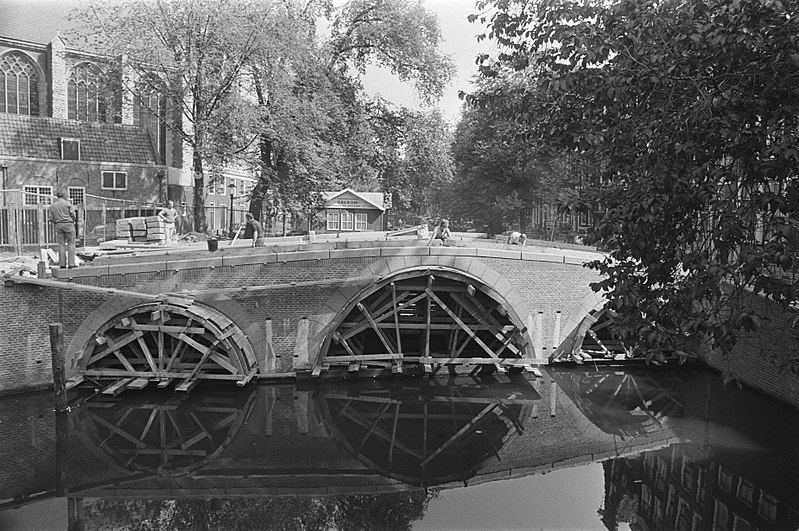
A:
622,403
428,432
170,436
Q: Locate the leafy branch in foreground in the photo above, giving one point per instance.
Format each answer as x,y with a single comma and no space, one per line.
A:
692,107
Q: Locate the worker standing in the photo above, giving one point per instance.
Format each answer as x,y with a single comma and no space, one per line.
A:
169,215
257,231
63,216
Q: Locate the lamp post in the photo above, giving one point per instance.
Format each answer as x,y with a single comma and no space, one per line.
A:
4,171
231,188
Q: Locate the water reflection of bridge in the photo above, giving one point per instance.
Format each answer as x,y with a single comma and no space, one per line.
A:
370,437
385,440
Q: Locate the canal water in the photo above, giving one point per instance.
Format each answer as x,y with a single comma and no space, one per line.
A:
577,448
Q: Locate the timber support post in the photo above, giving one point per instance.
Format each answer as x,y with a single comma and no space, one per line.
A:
59,367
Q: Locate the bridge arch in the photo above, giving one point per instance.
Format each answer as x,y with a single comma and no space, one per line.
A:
430,314
168,340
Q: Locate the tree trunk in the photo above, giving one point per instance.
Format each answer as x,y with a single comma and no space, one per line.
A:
200,224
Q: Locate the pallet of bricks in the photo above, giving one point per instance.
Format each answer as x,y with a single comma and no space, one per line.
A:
156,233
141,229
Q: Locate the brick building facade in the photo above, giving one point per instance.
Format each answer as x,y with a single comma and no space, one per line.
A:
84,122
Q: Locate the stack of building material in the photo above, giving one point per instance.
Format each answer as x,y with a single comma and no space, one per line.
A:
123,229
156,232
138,229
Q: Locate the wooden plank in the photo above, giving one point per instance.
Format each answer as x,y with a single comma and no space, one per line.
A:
556,330
146,351
433,326
174,329
396,319
115,345
428,291
225,363
343,342
187,385
361,357
117,373
244,381
117,387
74,381
512,362
380,334
383,313
50,283
463,325
139,383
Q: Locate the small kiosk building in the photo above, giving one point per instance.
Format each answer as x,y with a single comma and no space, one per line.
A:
351,211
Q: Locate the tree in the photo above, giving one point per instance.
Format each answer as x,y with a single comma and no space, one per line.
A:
409,155
197,53
400,35
692,109
300,110
317,128
500,175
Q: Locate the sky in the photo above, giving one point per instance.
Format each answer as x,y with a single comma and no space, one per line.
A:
459,43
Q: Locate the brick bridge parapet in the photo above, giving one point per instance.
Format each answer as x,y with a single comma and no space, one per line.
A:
286,299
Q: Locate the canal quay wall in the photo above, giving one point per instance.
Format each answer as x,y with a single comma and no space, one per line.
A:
283,298
767,360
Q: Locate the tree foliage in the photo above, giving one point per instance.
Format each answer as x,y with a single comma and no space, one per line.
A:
691,109
260,87
194,52
499,174
400,35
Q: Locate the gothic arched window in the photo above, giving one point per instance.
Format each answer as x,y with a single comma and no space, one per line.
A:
86,95
149,111
19,85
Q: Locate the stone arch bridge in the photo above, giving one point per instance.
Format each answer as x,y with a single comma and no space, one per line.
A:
310,309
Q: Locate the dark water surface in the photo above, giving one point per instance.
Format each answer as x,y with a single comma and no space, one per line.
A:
576,449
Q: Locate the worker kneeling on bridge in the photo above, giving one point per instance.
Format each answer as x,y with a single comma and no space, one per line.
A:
442,233
517,238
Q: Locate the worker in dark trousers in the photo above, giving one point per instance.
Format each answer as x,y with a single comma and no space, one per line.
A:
63,215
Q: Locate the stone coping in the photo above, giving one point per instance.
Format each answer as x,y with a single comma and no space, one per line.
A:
195,258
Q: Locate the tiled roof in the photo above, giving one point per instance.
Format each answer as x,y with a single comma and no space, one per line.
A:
36,137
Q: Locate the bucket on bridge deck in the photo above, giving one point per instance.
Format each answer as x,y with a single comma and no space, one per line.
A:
213,244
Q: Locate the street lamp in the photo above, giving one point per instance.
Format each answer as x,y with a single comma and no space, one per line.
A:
231,188
4,171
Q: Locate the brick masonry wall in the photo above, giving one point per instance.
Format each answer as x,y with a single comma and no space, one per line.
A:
27,445
535,288
25,360
529,287
767,360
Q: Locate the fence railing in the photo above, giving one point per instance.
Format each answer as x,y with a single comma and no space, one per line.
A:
26,228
